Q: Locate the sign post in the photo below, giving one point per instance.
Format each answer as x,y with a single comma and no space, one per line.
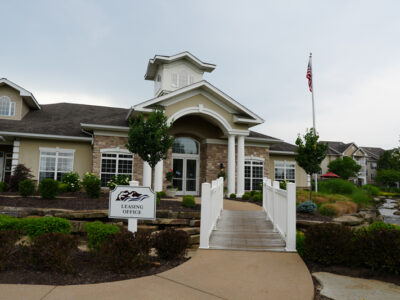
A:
132,202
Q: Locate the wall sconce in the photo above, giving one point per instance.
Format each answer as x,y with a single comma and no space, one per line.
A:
221,166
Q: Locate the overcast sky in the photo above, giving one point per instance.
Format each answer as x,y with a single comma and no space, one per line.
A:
96,52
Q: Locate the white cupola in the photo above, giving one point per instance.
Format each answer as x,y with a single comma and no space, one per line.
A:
170,73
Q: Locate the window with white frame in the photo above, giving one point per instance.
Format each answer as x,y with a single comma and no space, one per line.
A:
7,107
253,173
115,163
158,82
54,162
285,170
374,166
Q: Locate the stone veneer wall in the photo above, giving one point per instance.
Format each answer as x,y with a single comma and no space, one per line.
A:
262,152
102,142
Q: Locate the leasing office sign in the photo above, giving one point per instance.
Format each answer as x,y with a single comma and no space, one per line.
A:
136,202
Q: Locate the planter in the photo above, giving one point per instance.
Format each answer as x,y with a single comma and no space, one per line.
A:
171,192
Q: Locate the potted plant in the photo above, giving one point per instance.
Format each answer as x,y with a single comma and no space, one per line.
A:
171,190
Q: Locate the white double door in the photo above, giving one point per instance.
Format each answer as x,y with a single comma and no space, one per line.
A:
186,173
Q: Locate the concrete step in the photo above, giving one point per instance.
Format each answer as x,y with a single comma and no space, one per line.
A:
246,235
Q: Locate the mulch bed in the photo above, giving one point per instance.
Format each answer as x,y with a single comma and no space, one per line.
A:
78,201
312,217
86,271
241,200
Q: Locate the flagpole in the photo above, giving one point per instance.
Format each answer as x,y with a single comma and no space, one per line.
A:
313,115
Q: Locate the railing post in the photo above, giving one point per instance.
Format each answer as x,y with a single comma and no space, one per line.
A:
275,187
291,217
205,216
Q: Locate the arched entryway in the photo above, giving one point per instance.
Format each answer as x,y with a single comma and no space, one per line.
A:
186,165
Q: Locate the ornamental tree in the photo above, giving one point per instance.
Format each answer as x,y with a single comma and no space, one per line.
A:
345,167
390,159
149,138
310,153
387,177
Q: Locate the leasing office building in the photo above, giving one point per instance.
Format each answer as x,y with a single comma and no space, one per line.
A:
211,129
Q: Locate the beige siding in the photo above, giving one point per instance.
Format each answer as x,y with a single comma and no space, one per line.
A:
29,154
200,99
326,161
301,176
20,107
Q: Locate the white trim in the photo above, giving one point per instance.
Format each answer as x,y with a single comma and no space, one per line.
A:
256,139
110,133
225,142
57,149
22,91
116,150
241,120
200,84
11,106
282,152
104,127
45,136
285,167
254,158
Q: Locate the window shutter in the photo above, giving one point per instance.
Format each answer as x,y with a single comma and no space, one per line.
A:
174,80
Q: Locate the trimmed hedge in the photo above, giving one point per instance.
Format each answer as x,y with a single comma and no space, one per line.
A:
188,201
33,227
171,243
8,222
26,188
52,251
257,197
123,251
246,196
48,188
97,233
92,184
232,196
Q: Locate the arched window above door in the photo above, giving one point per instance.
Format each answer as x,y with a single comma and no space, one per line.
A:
184,145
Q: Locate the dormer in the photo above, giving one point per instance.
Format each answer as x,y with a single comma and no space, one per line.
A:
170,73
15,101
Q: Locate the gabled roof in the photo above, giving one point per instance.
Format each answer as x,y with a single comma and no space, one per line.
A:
283,147
243,114
374,152
26,95
163,59
337,148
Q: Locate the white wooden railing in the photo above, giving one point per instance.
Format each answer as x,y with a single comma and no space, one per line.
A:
212,201
280,207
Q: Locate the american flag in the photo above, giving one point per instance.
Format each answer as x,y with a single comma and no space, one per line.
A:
309,75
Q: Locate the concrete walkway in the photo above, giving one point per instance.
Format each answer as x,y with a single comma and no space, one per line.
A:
209,274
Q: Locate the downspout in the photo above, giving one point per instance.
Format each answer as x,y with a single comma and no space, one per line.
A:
88,133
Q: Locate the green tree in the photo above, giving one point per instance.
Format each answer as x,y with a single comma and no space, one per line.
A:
310,153
387,177
390,159
149,137
345,167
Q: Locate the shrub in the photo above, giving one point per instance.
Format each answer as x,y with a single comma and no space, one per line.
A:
62,187
232,196
246,196
71,179
307,207
252,193
378,249
282,185
8,222
171,243
118,180
381,225
346,207
97,232
26,188
371,190
162,194
329,209
92,184
48,188
37,226
124,251
52,251
300,237
20,173
328,244
336,186
360,197
8,238
257,197
188,201
3,186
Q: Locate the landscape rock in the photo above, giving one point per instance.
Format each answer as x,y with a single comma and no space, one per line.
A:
162,221
194,239
368,215
397,213
147,228
194,223
85,214
348,220
191,230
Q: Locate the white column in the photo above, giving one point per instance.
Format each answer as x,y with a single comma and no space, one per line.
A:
15,155
231,164
240,166
158,176
146,174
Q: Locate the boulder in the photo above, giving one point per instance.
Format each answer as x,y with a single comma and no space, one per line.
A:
348,220
194,239
397,213
194,223
83,214
368,215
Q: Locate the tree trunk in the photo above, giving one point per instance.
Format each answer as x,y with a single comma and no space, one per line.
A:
311,187
152,178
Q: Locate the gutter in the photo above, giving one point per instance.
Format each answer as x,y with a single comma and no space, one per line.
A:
46,136
104,127
282,152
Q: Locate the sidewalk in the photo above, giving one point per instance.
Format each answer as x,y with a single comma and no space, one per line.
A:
209,274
